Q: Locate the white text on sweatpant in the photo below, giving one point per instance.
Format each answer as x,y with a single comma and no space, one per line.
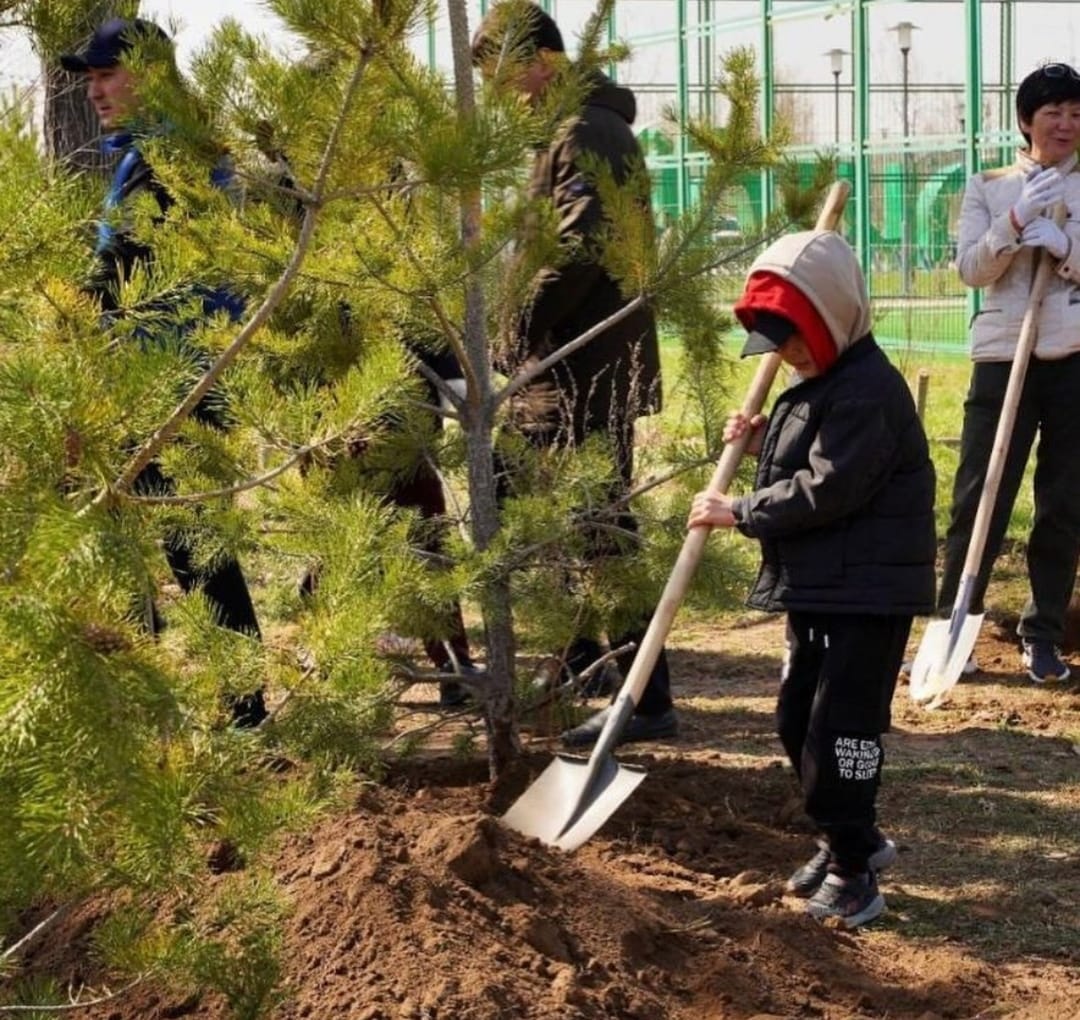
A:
857,758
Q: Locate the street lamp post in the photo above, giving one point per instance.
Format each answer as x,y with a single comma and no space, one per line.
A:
836,65
903,32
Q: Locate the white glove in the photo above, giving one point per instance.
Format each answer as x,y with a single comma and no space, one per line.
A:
1044,233
1042,189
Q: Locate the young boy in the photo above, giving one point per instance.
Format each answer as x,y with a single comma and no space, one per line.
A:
843,507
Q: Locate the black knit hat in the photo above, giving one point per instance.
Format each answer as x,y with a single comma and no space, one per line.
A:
527,27
111,40
1051,83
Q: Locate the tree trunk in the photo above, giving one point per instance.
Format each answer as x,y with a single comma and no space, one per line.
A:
477,420
503,743
72,132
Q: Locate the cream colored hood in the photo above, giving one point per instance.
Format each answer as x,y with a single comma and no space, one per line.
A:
824,267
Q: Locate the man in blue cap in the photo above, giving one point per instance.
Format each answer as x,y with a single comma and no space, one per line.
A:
112,87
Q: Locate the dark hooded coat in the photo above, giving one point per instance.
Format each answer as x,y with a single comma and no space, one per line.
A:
843,501
616,376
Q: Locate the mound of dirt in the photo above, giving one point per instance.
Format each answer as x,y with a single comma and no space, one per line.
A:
418,905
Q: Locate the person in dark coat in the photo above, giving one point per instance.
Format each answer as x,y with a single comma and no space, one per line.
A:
843,506
602,387
418,486
112,89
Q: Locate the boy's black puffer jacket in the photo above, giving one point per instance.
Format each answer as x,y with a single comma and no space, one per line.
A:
844,496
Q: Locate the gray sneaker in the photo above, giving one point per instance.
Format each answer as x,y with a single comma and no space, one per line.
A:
806,881
852,899
1042,660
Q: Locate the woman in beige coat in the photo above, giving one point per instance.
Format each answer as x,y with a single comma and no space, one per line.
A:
1006,223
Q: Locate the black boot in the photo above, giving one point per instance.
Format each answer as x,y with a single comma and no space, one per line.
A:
638,727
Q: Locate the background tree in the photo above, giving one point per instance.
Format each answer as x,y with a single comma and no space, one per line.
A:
361,239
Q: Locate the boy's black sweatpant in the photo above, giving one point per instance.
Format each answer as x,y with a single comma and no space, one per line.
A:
834,704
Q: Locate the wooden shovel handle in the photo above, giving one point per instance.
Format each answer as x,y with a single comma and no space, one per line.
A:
1010,406
694,544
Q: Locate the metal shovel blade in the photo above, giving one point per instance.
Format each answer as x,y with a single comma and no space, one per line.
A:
938,666
570,800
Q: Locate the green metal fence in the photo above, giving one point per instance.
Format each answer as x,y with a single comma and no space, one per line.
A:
911,99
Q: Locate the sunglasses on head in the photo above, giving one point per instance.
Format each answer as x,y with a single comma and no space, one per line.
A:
1059,70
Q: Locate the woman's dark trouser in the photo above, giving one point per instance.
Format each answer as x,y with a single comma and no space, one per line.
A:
1048,409
834,704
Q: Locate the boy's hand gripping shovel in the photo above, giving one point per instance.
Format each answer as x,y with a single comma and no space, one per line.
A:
573,797
947,644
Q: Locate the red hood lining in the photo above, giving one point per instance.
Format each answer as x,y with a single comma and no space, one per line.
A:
768,292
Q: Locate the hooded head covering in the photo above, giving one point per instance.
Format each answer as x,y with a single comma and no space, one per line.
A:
768,297
813,280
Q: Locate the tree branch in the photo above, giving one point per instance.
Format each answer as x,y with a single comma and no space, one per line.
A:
419,731
59,913
374,189
527,375
453,337
657,480
233,490
592,517
76,1002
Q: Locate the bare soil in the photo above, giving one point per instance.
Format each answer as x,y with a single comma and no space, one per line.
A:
418,904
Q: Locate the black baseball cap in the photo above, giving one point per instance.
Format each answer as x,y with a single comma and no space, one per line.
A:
111,40
770,333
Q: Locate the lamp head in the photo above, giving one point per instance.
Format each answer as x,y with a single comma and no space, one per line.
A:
903,32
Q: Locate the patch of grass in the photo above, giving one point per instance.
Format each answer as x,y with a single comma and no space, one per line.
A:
920,774
932,326
992,844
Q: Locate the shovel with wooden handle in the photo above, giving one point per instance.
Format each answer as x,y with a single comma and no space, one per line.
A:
947,644
573,796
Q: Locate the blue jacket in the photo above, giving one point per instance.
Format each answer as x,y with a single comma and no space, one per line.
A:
117,251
